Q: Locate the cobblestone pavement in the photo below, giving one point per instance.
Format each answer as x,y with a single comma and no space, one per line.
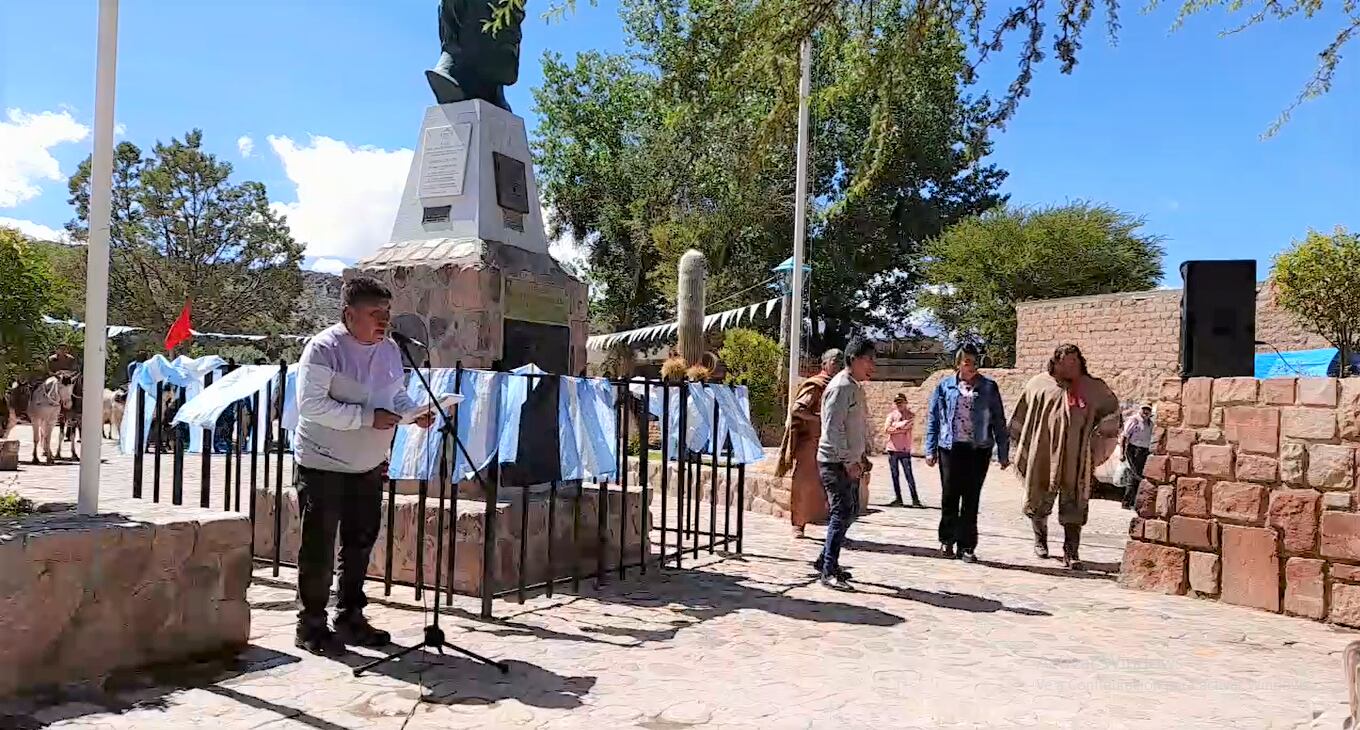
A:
755,643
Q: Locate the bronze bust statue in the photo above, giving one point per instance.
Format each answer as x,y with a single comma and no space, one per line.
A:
473,63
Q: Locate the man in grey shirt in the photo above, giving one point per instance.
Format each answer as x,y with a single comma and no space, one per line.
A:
841,453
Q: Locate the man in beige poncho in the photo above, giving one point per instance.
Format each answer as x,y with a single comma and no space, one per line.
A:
1051,429
798,451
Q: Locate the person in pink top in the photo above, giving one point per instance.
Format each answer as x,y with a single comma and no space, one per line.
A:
898,427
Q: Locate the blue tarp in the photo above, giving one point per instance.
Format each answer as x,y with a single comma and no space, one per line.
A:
1318,363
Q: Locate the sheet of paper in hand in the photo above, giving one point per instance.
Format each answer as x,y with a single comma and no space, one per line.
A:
448,400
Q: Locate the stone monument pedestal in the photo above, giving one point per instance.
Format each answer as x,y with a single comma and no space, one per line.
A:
468,259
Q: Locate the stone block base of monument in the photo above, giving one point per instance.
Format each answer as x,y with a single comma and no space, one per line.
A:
83,597
576,532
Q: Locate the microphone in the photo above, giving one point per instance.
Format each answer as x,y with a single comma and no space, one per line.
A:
404,340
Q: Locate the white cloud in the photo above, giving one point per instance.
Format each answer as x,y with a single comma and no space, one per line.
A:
245,145
347,197
25,156
329,266
35,230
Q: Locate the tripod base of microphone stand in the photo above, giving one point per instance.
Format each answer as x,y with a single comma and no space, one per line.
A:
434,639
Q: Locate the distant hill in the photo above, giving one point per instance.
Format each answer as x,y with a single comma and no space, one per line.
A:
319,305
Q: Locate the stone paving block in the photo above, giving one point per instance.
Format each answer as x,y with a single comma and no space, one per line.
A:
1155,530
1213,461
1197,401
1348,409
1343,572
1331,467
1234,390
1204,569
1252,428
1179,441
1136,528
1316,424
1178,466
1166,501
1167,414
1336,500
1257,468
1295,513
1341,535
1345,608
1145,502
1157,469
1317,392
1192,496
1251,567
1304,592
1192,532
1293,463
1170,390
1156,568
1240,502
1277,392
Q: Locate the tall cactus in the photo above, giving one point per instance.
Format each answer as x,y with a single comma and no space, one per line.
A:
689,307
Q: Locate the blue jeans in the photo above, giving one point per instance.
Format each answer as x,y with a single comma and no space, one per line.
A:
902,459
842,496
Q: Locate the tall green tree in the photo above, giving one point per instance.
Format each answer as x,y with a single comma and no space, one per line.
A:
1318,279
27,290
182,230
988,32
665,149
980,268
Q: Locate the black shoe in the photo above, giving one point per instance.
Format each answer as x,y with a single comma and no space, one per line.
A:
917,505
946,550
318,640
842,573
895,503
836,583
357,631
967,556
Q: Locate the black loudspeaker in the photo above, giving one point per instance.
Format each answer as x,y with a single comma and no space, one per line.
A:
1218,319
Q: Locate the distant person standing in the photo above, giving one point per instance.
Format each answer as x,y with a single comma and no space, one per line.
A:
62,360
898,427
1053,425
1135,441
798,450
841,453
966,422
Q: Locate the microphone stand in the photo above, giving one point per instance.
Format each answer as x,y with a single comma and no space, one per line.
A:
434,636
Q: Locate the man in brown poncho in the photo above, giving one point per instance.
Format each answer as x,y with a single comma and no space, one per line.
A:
1051,429
798,450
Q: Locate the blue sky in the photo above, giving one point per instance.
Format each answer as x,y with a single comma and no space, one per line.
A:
322,101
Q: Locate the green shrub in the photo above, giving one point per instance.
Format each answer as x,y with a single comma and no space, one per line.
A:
754,360
13,505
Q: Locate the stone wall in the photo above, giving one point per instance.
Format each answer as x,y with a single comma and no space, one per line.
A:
1132,340
1251,497
81,597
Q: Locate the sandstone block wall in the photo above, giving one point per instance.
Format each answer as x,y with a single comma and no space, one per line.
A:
1251,496
82,597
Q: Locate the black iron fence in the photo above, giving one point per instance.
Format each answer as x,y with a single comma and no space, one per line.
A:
515,530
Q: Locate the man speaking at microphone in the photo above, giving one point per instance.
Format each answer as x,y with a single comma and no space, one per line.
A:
351,395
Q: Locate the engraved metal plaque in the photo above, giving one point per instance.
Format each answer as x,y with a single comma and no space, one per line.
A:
437,214
531,301
512,185
444,161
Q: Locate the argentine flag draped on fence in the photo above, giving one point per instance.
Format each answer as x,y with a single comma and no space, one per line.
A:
184,373
587,423
415,451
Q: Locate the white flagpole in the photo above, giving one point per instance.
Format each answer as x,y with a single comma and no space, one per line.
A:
800,199
97,261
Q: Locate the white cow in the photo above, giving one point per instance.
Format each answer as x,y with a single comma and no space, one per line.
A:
44,406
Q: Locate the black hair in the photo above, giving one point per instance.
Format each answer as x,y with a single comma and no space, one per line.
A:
1063,351
859,347
364,290
967,350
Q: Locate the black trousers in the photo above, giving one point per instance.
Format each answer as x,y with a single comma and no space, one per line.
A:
963,468
1137,457
353,503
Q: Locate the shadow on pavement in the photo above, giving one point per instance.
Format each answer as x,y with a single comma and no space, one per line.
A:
450,679
949,599
1094,570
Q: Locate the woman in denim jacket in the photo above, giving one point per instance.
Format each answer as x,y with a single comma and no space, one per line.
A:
966,420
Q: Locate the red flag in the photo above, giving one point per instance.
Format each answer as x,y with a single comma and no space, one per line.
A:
179,331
